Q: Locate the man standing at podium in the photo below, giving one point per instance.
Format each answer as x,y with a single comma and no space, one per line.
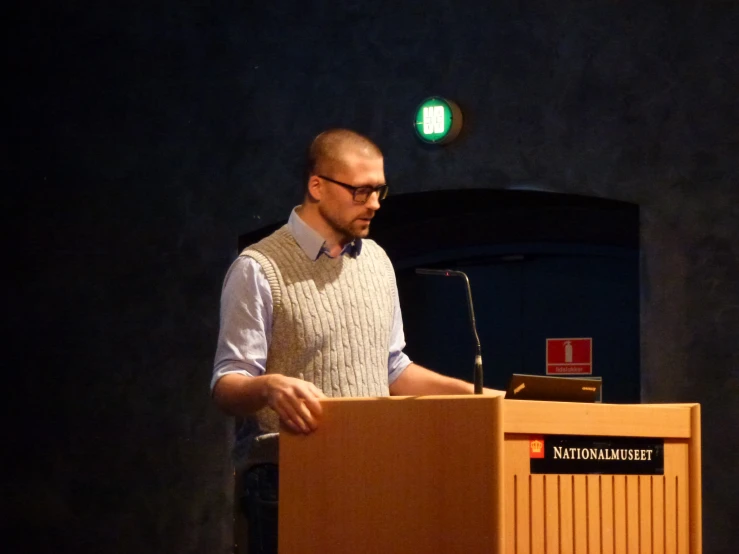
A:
311,312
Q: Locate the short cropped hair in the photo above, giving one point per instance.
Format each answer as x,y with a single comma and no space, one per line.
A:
328,148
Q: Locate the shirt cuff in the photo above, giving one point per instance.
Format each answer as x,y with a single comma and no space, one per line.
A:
231,368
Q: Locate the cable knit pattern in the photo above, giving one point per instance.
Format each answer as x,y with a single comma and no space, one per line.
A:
331,318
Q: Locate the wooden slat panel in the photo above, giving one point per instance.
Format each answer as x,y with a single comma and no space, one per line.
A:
522,514
632,514
645,514
510,500
658,513
676,492
537,535
683,514
551,501
619,513
573,418
694,453
516,478
579,499
567,543
607,525
604,514
595,513
670,511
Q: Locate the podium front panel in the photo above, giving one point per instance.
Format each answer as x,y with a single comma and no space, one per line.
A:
610,514
395,475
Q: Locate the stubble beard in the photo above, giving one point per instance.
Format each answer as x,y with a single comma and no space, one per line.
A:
347,230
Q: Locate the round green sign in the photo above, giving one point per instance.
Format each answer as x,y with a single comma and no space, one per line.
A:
438,120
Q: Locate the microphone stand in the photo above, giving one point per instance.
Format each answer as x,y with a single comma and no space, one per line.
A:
478,352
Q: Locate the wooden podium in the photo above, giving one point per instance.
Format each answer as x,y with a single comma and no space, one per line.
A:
451,474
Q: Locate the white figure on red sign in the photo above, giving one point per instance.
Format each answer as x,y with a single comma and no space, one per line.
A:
568,352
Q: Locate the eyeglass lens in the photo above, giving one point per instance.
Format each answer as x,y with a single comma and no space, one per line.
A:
362,194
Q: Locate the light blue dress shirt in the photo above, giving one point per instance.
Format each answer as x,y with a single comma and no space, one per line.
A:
246,311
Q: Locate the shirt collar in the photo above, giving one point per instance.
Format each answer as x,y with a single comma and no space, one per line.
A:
314,244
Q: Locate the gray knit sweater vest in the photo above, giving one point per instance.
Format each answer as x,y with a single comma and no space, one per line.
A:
331,318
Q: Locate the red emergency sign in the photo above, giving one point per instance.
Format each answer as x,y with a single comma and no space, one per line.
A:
570,356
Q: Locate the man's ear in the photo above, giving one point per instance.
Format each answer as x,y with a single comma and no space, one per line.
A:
315,187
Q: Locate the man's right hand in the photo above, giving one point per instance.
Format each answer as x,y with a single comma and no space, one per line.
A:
296,402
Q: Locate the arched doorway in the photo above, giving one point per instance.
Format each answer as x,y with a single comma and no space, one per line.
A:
541,265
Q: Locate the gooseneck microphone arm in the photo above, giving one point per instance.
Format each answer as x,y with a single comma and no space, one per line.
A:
478,353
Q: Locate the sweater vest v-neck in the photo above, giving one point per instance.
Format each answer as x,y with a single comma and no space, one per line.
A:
331,318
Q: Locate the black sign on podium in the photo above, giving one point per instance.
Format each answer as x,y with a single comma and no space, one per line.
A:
572,454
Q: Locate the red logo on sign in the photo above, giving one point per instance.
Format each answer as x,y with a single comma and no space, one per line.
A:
536,446
569,356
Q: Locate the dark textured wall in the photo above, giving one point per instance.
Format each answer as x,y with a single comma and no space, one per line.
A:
144,140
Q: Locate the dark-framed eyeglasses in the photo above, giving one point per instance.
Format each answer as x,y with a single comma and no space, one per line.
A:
361,193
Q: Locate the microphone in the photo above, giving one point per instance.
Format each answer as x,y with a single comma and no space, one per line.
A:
478,354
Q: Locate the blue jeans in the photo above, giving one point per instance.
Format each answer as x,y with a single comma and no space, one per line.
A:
259,503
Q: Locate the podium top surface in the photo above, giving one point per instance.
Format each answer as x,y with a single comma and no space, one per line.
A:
575,418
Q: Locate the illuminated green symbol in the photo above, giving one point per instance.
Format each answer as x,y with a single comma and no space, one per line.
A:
438,121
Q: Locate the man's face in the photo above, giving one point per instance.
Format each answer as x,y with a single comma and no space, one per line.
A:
348,219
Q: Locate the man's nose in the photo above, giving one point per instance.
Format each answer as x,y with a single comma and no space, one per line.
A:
373,202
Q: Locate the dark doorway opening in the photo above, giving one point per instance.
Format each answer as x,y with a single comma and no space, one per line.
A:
541,265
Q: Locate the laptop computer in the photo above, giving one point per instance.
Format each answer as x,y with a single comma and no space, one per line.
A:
551,388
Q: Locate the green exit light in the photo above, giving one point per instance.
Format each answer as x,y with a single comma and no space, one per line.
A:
438,120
